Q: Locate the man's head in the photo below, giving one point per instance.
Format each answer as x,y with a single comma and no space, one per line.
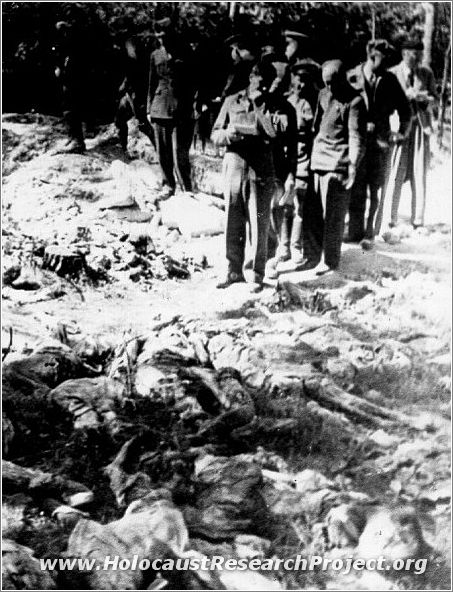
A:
412,51
303,74
293,41
377,52
334,76
242,49
261,78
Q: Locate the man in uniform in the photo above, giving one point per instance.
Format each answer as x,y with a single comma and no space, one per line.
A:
410,160
72,73
134,87
338,147
171,93
287,218
251,127
382,95
243,55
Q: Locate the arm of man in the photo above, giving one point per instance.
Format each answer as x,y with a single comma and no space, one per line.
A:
152,82
318,116
223,132
400,102
291,156
357,122
291,141
431,85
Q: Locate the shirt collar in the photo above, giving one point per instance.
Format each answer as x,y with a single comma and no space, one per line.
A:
407,70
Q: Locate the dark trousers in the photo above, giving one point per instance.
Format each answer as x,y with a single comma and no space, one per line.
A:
323,218
371,180
73,110
173,140
127,109
248,196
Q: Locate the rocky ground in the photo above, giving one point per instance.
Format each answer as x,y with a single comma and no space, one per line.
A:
311,418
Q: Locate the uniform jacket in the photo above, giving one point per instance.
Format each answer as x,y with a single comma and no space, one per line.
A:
386,97
172,85
272,129
423,82
340,132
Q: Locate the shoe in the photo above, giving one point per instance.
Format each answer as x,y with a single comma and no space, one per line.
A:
323,268
284,256
306,264
367,244
166,192
73,147
352,239
255,287
231,278
297,258
271,269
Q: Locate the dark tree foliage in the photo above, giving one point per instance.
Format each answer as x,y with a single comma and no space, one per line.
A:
337,29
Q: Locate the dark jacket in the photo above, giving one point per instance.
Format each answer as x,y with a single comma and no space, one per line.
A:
172,85
381,101
423,82
340,132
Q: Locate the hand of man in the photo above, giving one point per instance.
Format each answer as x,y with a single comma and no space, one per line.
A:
232,134
397,138
351,177
287,199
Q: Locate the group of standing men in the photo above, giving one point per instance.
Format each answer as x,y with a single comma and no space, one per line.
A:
297,157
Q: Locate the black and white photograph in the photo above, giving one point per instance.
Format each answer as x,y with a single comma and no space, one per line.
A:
226,295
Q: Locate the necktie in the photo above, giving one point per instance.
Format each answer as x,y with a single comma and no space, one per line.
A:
410,78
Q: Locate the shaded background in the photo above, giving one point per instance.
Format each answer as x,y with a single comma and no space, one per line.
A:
337,29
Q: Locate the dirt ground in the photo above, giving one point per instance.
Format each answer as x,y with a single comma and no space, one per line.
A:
393,301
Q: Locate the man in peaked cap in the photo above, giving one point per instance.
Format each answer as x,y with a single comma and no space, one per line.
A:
133,91
71,72
173,82
259,134
287,218
410,160
297,47
243,55
296,44
382,95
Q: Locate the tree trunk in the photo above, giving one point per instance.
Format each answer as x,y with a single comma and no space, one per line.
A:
429,8
443,97
232,12
373,22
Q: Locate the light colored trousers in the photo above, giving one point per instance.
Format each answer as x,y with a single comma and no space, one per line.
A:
410,162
